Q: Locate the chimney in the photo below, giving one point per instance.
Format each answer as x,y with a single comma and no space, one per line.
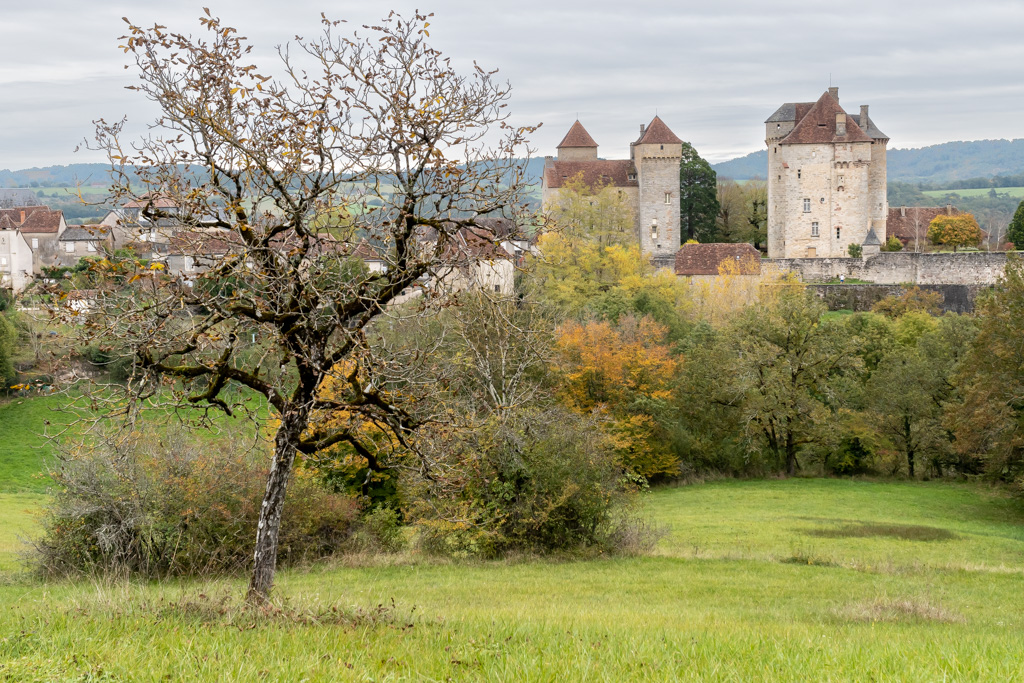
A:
22,216
834,92
864,117
903,211
642,127
840,123
949,209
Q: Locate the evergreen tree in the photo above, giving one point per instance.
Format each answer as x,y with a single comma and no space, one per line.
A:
1015,231
698,197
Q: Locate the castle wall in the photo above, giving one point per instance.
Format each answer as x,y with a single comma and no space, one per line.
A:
955,298
965,268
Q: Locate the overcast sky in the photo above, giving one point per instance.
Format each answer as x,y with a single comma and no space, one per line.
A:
714,71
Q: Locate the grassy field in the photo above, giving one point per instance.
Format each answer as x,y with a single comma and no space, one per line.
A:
1017,192
793,580
774,580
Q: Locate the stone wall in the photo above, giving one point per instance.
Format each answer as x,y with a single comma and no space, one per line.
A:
893,268
955,298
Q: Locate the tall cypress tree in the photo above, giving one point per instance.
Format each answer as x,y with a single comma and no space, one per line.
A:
1015,231
698,197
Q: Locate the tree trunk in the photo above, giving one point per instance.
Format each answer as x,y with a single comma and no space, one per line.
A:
269,527
791,462
910,449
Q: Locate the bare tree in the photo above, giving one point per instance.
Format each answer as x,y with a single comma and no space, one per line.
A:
273,188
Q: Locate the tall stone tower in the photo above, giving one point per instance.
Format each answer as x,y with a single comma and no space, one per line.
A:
657,154
826,179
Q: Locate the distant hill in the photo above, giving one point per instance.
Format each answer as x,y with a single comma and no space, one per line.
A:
936,163
754,165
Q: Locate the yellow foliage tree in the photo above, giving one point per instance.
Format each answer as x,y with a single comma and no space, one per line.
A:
955,231
625,373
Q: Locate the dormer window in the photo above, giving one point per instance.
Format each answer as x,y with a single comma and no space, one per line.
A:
631,176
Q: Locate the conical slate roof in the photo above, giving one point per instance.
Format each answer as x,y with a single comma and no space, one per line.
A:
658,133
577,137
872,239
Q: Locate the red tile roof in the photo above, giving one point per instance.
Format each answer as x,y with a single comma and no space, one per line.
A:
657,133
33,219
577,137
706,259
595,173
910,222
818,125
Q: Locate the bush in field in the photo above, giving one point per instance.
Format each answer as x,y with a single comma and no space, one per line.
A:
161,508
544,480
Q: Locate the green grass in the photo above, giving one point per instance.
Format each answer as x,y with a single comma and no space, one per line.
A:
23,449
755,581
1017,192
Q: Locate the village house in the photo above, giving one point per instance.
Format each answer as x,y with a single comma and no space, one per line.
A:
697,262
41,227
909,224
15,260
79,241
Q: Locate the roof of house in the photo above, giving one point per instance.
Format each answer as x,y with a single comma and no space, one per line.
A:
909,222
367,252
658,133
819,125
872,239
157,201
33,219
577,137
707,259
84,233
614,172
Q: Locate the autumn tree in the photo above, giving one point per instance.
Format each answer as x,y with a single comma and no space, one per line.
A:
276,181
698,197
788,363
956,231
990,421
590,246
626,372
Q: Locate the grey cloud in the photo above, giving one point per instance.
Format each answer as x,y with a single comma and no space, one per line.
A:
932,71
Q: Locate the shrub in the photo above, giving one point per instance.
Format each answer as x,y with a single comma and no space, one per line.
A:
892,244
380,530
172,507
546,480
855,250
853,456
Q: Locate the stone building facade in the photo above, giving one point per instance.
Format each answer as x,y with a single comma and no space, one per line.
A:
826,179
648,182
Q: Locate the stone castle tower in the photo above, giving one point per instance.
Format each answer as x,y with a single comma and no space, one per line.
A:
648,181
826,180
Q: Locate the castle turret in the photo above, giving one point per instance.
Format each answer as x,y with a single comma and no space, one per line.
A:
577,145
657,155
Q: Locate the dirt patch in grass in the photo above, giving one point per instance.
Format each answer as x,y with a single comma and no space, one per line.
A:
900,610
906,532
